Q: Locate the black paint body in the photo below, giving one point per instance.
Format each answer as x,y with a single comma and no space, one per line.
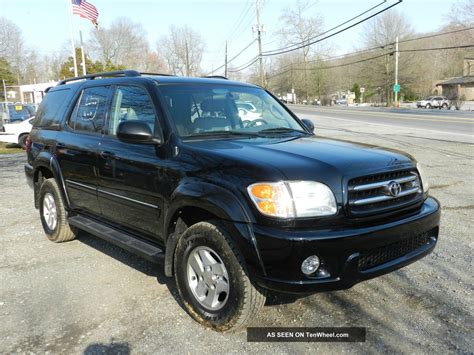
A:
143,188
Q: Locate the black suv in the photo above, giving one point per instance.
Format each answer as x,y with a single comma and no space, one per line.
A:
164,167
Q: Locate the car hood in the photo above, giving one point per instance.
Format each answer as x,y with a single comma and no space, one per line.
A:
307,158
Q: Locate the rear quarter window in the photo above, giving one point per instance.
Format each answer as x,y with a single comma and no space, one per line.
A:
52,109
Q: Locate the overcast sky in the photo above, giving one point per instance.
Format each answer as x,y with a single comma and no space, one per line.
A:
45,23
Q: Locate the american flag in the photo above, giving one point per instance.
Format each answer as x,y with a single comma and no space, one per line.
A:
85,10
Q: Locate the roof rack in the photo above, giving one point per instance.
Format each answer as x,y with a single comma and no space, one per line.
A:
160,74
215,77
129,73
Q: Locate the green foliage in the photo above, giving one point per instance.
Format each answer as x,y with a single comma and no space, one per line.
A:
408,94
356,90
67,68
6,72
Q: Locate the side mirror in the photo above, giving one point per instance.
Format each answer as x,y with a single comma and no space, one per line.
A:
135,132
308,124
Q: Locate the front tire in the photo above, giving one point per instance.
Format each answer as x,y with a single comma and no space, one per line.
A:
212,278
53,214
428,106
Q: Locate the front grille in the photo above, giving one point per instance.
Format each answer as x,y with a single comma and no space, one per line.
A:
376,256
375,194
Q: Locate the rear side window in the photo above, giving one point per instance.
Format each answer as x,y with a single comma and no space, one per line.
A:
91,109
52,109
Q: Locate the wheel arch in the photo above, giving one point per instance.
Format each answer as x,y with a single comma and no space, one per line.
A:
194,202
46,166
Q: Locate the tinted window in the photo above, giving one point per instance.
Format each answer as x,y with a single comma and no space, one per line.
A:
131,103
91,109
198,109
52,108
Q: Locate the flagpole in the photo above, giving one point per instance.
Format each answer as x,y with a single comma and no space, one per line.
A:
71,32
83,56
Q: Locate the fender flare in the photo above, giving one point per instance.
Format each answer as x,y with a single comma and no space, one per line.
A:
48,161
218,201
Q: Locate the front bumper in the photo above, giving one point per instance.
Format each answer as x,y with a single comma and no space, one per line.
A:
345,251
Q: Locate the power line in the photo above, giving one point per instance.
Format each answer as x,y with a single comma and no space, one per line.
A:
437,48
234,57
436,35
253,61
329,67
243,14
330,30
333,34
344,56
374,57
272,53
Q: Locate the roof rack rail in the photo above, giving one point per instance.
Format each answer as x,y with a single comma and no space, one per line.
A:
130,73
215,77
160,74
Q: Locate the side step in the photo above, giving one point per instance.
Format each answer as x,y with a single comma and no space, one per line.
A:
123,240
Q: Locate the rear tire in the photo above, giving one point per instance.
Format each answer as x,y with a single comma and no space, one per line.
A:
22,140
53,214
206,259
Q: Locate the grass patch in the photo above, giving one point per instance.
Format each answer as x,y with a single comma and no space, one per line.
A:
10,149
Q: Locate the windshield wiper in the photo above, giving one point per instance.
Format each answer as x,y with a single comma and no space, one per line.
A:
224,133
269,131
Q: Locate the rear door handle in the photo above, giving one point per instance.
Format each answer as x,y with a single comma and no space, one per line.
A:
60,145
106,154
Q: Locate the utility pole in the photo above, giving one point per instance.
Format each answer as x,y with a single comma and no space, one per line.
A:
72,38
225,71
83,56
5,90
396,71
259,38
187,58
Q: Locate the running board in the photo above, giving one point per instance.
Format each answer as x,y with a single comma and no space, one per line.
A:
123,240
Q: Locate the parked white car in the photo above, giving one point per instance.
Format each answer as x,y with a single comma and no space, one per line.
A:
434,102
16,133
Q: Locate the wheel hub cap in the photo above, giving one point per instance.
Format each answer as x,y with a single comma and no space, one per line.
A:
50,214
208,278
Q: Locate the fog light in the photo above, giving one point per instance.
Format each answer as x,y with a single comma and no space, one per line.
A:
310,265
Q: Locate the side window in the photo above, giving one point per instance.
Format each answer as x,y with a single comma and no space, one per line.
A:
52,108
131,103
91,109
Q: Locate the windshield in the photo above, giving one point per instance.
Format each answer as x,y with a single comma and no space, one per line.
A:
207,110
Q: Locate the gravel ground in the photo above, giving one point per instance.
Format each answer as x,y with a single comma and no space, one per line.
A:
87,296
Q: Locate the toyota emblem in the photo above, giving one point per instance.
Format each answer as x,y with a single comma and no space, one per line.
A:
394,188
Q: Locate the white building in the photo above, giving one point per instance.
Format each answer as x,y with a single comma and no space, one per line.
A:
31,93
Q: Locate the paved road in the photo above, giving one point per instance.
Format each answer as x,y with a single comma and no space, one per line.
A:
453,125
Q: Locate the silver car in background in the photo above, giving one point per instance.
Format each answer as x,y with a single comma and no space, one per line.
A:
434,102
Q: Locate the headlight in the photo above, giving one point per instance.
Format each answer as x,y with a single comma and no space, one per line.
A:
424,181
293,199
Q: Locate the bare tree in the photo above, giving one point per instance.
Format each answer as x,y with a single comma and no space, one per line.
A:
11,46
154,63
462,13
182,50
11,38
299,28
124,43
382,32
